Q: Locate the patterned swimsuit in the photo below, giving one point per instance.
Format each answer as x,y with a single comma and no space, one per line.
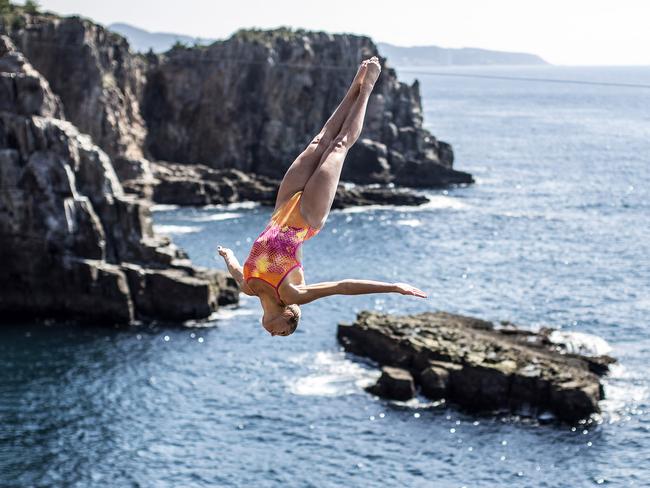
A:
274,253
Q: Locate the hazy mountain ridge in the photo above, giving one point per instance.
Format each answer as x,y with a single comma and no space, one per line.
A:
142,40
466,56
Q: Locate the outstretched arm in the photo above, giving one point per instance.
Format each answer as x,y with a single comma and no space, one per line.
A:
235,268
309,293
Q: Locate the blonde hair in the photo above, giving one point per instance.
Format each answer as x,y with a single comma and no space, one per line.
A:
295,317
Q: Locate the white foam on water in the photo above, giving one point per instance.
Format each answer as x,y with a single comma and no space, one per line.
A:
331,375
216,217
436,202
232,206
225,313
581,342
419,402
176,229
621,393
444,201
409,222
163,208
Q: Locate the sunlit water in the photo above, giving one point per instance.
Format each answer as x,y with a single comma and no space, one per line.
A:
555,232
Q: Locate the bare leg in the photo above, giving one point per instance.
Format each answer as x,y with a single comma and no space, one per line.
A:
320,189
306,163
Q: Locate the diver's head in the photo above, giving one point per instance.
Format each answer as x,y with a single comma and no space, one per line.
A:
283,324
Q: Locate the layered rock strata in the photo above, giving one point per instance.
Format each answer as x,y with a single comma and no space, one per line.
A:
478,365
196,184
255,100
73,244
251,102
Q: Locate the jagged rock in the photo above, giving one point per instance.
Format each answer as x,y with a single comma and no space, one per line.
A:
254,101
181,184
367,162
434,380
428,174
364,195
70,237
170,294
394,384
478,366
98,79
250,103
22,89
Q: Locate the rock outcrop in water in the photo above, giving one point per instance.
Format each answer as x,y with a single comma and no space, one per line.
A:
196,184
255,100
251,102
73,245
82,119
477,365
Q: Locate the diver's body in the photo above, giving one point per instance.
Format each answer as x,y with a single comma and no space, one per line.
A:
273,271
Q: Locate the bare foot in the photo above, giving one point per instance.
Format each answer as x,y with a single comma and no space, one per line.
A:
373,69
361,73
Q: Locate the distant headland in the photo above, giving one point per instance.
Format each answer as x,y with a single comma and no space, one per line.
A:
466,56
142,40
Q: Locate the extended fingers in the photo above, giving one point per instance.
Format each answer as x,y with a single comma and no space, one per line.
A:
419,293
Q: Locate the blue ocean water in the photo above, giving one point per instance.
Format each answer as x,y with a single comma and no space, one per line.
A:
555,232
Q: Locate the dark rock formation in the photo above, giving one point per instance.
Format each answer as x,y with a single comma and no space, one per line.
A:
253,102
97,78
394,383
182,184
479,366
250,103
73,245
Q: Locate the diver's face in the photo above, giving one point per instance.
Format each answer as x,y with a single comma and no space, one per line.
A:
278,326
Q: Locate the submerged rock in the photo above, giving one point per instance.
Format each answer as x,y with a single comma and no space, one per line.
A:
479,366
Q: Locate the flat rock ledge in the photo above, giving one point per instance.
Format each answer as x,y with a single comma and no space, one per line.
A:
476,364
196,185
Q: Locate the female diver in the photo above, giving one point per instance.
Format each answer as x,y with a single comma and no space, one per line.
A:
273,271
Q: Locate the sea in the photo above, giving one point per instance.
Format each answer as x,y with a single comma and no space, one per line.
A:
554,233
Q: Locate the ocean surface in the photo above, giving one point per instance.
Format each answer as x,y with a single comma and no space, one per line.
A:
556,232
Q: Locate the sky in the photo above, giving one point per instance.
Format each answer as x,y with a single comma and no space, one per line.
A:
569,32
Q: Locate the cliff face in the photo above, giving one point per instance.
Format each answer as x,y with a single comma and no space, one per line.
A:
73,244
98,80
254,101
251,102
80,115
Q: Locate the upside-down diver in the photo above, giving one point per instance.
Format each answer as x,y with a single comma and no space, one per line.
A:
273,271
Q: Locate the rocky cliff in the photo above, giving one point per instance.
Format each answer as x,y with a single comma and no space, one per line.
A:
73,244
253,101
98,80
81,116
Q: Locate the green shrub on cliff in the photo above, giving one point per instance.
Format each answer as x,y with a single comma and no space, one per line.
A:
10,17
179,45
31,7
6,8
262,35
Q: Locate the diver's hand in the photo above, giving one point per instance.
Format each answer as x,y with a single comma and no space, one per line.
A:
406,289
224,252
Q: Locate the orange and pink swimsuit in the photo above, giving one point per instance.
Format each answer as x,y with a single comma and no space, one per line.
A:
275,252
